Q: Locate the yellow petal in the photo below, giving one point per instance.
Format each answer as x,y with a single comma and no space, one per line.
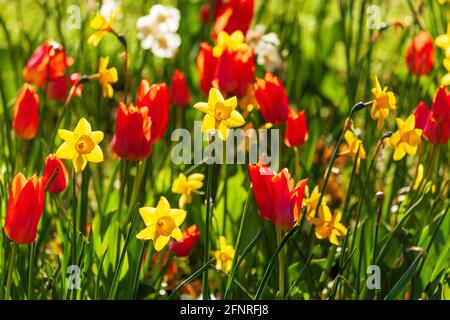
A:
201,106
410,123
399,154
66,135
83,128
176,234
161,242
196,177
98,22
442,41
178,216
79,163
95,156
148,215
146,234
163,206
208,124
333,238
66,151
235,119
96,136
95,38
214,97
231,102
223,130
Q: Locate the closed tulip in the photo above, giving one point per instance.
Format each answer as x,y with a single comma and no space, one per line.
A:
25,206
156,98
26,113
132,138
277,198
57,88
59,184
184,247
233,15
420,54
296,129
272,99
179,92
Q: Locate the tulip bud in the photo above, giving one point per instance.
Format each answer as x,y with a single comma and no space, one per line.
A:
296,129
26,114
184,247
272,99
59,184
179,91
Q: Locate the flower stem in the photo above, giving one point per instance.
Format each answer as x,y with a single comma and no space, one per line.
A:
12,263
136,189
281,265
205,288
74,219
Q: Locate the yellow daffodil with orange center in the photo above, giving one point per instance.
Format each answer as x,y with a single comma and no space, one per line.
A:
311,201
353,143
329,226
186,185
383,102
224,255
161,224
81,145
105,76
231,42
220,114
102,26
406,139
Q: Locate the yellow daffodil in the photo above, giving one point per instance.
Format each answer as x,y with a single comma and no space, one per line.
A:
81,145
224,255
220,113
353,143
186,185
232,42
406,139
105,76
383,102
102,25
162,223
311,201
329,226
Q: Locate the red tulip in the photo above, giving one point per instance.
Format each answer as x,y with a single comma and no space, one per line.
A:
420,54
277,198
179,91
272,99
132,139
26,113
184,247
435,123
25,206
57,88
296,129
48,62
62,178
233,15
156,98
232,72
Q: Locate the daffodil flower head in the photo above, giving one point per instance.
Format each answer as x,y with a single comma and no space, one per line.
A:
220,114
81,145
406,139
384,101
224,255
311,201
353,144
161,224
231,42
329,226
106,76
443,40
186,185
102,25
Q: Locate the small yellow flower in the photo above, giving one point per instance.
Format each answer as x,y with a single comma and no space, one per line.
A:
443,1
233,42
353,143
224,255
311,201
329,226
220,113
186,185
106,76
406,139
383,102
81,145
102,25
161,224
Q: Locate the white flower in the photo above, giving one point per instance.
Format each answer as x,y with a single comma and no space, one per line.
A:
157,31
266,47
108,6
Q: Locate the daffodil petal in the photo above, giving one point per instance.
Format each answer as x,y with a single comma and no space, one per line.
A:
176,234
83,128
178,216
161,242
148,215
146,234
96,155
66,151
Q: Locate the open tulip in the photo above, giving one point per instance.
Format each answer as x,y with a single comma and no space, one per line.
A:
25,206
296,129
179,92
62,178
420,54
184,247
277,198
156,98
133,133
48,62
26,113
272,99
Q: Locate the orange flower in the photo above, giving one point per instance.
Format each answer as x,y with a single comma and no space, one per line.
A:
26,113
272,99
25,206
62,178
277,198
156,98
133,132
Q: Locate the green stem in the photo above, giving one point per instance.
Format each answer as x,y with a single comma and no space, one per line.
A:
74,219
12,263
136,189
31,270
281,265
205,288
